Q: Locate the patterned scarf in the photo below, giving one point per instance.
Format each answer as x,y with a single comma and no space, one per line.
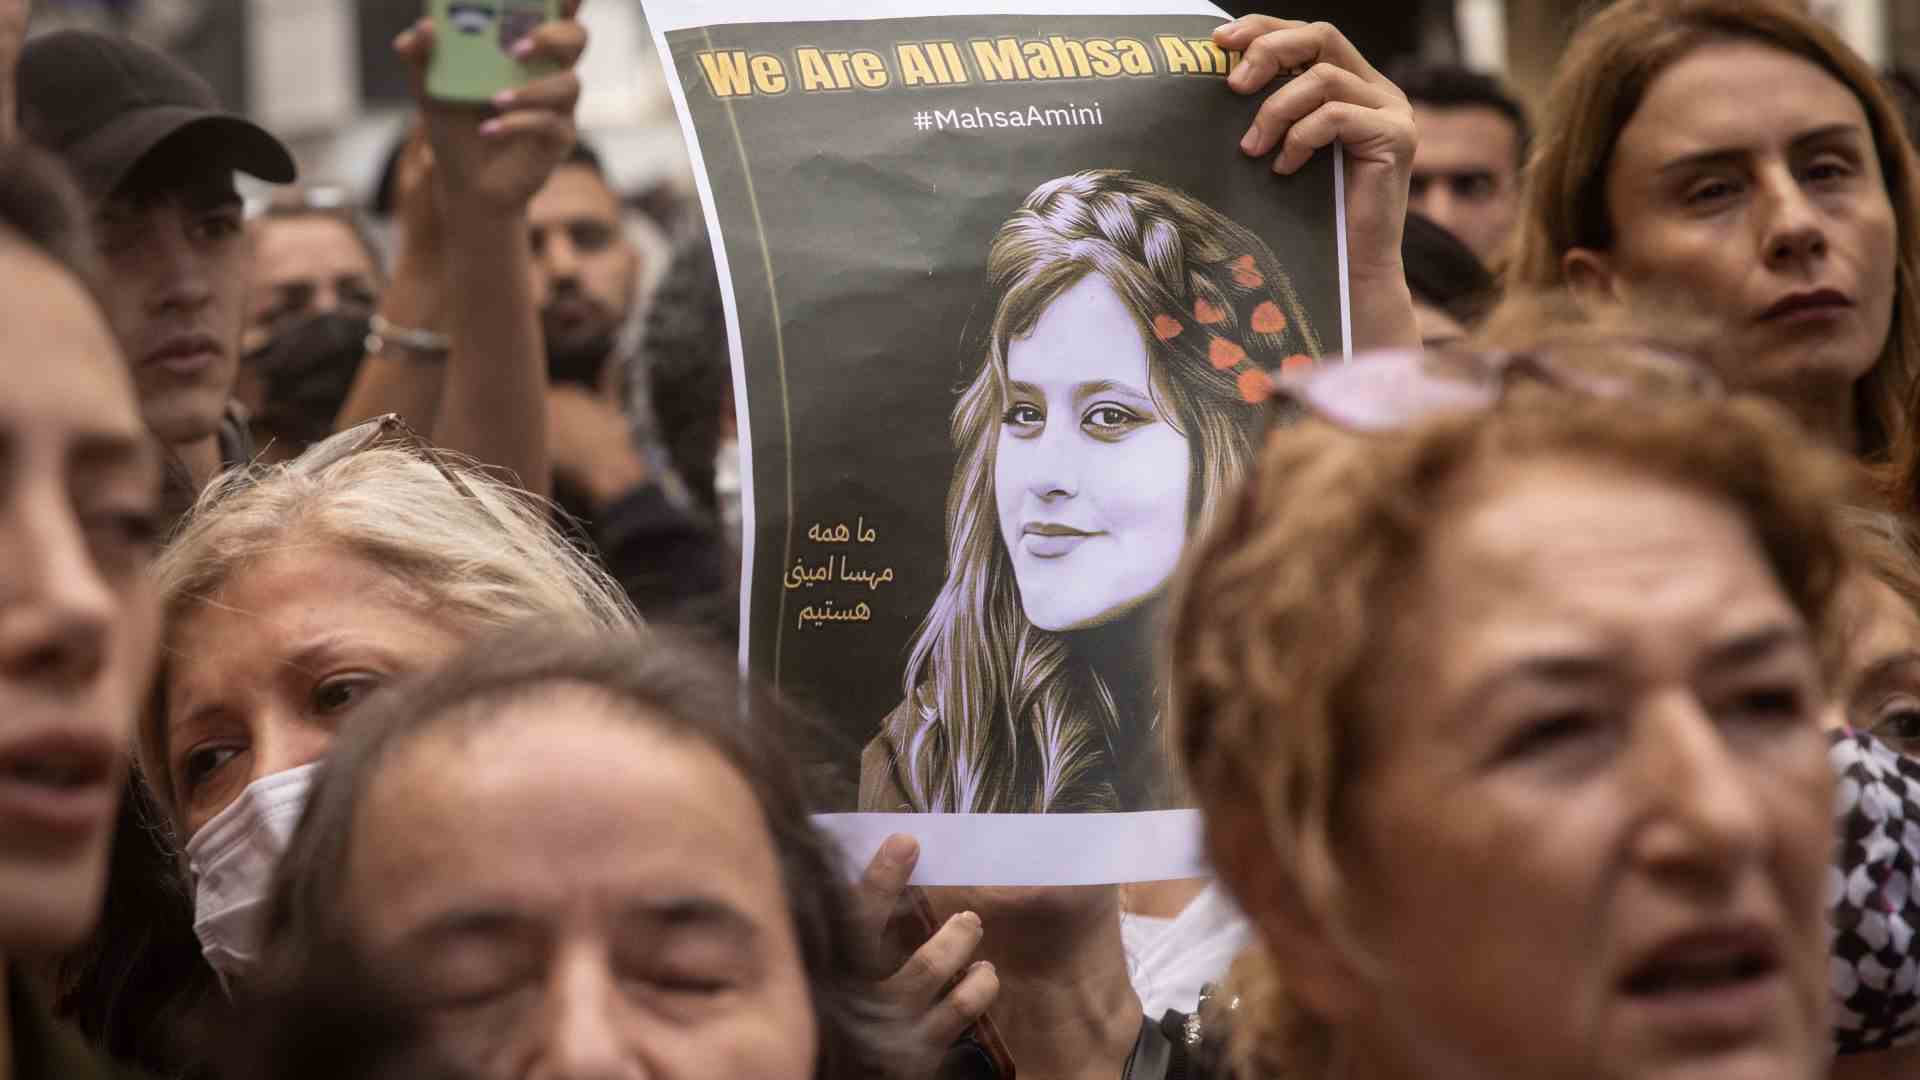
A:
1874,890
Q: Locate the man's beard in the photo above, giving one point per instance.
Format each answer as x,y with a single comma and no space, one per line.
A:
579,359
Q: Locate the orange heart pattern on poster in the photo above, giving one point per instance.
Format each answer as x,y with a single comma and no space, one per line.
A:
1246,274
1268,318
1206,314
1225,354
1166,327
1295,363
1255,386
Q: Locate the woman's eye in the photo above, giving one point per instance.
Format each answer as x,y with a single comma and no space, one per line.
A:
1829,168
1710,191
1023,416
342,692
1897,720
1775,703
678,980
202,763
1112,419
692,986
470,995
1549,732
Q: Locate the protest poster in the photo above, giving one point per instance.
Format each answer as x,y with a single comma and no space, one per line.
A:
1000,291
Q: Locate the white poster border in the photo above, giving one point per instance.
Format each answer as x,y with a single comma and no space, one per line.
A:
1034,849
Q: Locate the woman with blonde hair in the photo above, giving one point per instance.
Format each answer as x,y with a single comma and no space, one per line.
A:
291,595
1738,155
1501,697
294,592
1115,403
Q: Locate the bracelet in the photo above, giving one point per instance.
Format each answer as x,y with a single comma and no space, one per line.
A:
425,343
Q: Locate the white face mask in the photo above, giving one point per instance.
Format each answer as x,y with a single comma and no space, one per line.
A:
232,859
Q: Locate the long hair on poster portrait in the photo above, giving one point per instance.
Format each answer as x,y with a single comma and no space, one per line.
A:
1026,686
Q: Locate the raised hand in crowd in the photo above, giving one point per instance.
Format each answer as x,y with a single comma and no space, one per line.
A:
939,985
1331,94
491,162
486,164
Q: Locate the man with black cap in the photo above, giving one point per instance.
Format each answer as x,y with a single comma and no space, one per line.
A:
155,153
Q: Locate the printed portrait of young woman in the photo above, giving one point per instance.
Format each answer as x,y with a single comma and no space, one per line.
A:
1120,394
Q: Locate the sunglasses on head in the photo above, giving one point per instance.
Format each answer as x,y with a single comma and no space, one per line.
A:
341,445
1391,389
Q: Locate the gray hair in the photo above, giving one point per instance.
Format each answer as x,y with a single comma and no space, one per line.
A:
480,562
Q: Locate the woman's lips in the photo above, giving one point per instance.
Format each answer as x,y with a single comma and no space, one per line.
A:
56,789
1809,305
1717,987
1049,541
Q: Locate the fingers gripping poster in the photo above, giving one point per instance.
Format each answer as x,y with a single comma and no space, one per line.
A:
1001,292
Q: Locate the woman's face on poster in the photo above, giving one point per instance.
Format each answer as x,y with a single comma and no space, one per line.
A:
1090,478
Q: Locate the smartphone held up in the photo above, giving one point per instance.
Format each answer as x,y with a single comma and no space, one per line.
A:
979,1053
473,44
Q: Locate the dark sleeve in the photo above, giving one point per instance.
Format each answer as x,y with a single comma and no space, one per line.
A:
673,563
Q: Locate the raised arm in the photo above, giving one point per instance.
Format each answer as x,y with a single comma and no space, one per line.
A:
397,378
487,165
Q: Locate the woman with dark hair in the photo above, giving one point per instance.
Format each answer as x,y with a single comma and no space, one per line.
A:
573,850
80,517
1116,402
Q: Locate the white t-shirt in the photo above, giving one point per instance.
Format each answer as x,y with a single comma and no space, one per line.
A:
1169,960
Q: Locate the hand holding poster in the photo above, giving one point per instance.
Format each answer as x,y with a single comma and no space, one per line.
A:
1003,290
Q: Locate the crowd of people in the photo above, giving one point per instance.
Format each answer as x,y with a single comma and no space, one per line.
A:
1546,674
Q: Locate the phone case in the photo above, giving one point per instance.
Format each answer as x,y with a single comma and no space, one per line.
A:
980,1053
471,38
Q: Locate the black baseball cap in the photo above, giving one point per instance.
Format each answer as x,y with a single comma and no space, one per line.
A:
102,102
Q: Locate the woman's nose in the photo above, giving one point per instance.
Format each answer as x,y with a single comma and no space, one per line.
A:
53,626
1796,229
1055,465
1705,820
584,1040
288,742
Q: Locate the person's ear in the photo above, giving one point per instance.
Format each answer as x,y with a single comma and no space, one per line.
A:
1590,274
1319,972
